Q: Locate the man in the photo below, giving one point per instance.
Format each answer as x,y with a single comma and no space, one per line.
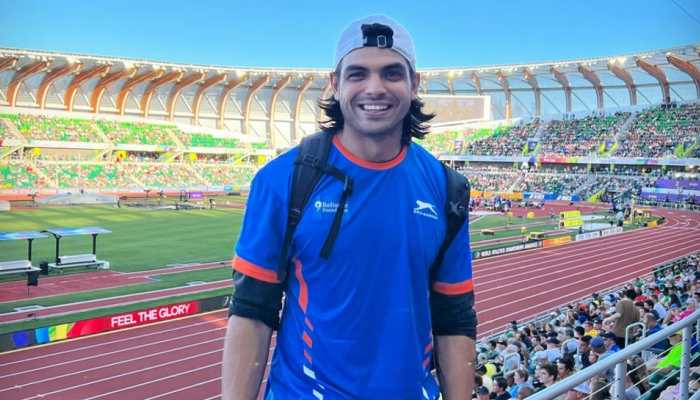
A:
500,389
653,327
672,359
569,342
625,314
368,318
610,343
553,350
584,349
598,346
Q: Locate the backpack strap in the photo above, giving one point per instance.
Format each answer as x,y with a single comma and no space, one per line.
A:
310,164
456,210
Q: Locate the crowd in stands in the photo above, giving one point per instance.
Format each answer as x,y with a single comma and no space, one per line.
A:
35,127
582,137
16,175
564,184
85,175
207,140
45,174
138,133
665,131
164,175
561,180
238,176
532,356
506,141
490,179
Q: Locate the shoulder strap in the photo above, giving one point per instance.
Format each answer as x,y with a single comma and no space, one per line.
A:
311,163
456,210
313,153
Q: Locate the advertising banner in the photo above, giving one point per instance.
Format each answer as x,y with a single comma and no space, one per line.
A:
556,241
505,250
92,326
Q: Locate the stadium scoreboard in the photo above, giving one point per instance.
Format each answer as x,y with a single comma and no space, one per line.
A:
457,108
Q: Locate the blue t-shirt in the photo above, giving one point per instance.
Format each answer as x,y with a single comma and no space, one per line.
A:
358,324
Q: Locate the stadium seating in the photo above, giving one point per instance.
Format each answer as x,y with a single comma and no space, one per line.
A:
582,137
505,141
54,128
220,175
138,133
664,131
164,175
525,349
17,175
207,140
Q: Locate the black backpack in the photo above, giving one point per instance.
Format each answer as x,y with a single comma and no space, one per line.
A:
311,163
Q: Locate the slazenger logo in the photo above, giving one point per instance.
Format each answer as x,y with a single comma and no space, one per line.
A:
425,209
327,206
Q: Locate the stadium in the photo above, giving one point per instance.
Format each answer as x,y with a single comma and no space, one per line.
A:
123,184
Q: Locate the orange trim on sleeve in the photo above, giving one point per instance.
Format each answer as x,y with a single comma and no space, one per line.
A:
307,356
369,164
254,271
454,288
426,362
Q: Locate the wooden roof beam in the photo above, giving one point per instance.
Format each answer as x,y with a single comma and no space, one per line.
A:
199,95
20,76
660,77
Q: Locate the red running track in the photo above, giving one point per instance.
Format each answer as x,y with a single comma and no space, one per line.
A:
181,359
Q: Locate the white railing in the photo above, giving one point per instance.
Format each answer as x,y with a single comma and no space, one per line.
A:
618,362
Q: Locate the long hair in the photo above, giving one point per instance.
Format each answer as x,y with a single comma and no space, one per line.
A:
414,123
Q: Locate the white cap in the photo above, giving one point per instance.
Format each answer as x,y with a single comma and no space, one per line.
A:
376,31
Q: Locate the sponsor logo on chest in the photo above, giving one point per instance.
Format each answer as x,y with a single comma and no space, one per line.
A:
425,209
327,207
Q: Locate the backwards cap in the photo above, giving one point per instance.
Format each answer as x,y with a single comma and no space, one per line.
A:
376,31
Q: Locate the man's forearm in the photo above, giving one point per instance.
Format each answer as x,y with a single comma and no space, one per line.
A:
455,356
246,349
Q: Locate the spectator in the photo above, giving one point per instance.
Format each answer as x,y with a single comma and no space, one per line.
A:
522,380
625,314
653,327
584,349
548,374
553,350
672,359
500,389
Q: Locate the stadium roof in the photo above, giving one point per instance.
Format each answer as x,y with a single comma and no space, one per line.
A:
280,103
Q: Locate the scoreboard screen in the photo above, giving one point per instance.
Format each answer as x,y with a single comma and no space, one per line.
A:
451,109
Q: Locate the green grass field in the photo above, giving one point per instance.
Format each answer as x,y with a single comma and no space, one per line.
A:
141,239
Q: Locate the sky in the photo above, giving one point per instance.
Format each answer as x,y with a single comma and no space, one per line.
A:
270,33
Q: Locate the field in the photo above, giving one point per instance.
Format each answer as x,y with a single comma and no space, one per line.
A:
141,238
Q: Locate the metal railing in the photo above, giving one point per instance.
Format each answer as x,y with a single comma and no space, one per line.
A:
618,362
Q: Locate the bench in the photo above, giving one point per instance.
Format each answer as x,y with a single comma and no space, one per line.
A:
14,267
488,232
79,260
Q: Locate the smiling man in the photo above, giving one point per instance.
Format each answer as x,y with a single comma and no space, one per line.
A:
377,289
